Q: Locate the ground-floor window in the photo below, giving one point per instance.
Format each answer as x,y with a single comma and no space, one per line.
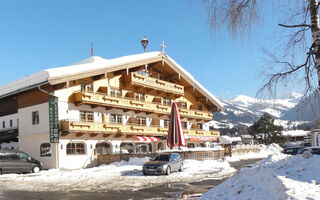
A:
191,145
103,148
143,147
126,148
45,150
160,146
203,145
76,148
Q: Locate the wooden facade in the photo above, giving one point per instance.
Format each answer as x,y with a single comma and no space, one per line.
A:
146,90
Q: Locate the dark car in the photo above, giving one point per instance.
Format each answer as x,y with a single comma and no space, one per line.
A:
292,150
163,164
312,150
14,161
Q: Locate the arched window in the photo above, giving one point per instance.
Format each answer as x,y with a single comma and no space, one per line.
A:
160,146
143,147
45,150
126,148
103,148
76,148
191,145
203,145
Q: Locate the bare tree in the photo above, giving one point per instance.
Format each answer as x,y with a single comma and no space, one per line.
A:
300,19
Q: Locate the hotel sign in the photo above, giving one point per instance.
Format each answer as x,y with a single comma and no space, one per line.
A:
54,120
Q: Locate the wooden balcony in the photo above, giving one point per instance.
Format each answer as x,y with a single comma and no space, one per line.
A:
126,129
99,99
157,84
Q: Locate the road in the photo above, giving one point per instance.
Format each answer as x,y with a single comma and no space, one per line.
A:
189,190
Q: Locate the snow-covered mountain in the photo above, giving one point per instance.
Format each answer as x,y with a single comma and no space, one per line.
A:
246,110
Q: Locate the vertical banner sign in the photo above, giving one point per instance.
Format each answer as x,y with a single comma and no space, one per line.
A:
317,143
53,120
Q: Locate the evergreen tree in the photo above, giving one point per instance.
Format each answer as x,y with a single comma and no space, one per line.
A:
265,125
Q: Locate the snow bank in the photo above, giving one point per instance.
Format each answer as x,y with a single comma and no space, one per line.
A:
264,152
278,176
116,176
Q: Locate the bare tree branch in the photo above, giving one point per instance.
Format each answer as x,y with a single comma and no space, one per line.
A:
295,26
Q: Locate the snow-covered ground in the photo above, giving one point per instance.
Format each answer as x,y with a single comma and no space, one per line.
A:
117,176
120,176
278,176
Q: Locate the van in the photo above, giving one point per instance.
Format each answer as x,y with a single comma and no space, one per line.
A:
14,161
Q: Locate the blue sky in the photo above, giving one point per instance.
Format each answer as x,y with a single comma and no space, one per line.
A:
35,35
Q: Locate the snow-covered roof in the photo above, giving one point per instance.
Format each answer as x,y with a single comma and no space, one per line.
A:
247,136
295,133
96,65
225,139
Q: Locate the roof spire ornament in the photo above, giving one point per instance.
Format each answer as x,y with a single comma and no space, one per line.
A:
163,47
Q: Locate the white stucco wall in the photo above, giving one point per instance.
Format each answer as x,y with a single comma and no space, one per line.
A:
31,145
26,128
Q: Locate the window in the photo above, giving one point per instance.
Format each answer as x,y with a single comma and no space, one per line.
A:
75,148
200,125
23,156
11,156
199,107
86,116
45,150
191,145
103,148
3,124
185,125
141,120
11,122
166,101
118,92
166,122
160,146
143,72
115,92
126,148
184,105
35,117
112,92
139,97
86,87
115,119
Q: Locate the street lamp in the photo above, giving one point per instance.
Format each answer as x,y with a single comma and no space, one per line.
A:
144,43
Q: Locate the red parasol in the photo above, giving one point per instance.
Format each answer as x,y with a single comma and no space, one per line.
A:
175,132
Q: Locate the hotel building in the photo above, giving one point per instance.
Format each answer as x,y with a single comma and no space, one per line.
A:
67,116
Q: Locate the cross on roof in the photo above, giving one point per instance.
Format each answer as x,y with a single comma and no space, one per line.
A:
163,47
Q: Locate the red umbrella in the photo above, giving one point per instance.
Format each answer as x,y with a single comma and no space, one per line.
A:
175,133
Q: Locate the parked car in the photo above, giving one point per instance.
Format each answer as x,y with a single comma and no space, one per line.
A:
311,150
14,161
292,150
164,163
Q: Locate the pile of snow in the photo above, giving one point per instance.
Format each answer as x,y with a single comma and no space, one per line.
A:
264,152
278,176
116,176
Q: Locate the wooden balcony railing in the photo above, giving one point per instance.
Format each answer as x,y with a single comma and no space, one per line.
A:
126,129
127,103
149,82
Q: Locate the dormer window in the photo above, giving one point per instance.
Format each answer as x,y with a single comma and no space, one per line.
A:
184,105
